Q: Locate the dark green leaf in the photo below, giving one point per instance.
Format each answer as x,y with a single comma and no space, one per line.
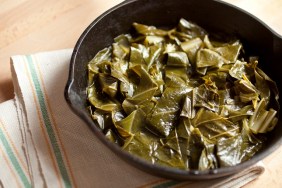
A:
191,47
148,30
206,97
98,100
238,149
191,28
165,113
209,58
213,126
179,98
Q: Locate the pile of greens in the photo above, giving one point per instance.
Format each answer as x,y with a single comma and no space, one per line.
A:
177,98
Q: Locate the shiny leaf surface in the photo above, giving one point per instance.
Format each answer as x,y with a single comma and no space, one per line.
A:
180,99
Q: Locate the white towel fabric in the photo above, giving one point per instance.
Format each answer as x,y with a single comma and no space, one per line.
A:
43,144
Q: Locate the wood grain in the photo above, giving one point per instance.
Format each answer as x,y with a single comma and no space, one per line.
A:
29,26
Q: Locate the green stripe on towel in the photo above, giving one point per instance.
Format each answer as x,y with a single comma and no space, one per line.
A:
14,160
167,184
48,124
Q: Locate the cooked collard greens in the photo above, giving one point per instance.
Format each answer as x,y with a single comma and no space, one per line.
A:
180,99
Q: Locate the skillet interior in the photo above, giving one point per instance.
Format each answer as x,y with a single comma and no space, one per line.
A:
215,17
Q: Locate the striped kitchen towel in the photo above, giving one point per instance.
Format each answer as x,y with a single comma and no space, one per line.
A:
43,144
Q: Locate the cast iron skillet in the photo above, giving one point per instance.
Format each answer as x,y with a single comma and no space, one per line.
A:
216,17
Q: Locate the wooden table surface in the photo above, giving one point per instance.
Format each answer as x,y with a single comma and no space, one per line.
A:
29,26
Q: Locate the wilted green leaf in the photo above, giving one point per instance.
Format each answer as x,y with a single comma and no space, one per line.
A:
209,58
191,28
191,47
240,148
212,126
148,30
179,98
166,111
